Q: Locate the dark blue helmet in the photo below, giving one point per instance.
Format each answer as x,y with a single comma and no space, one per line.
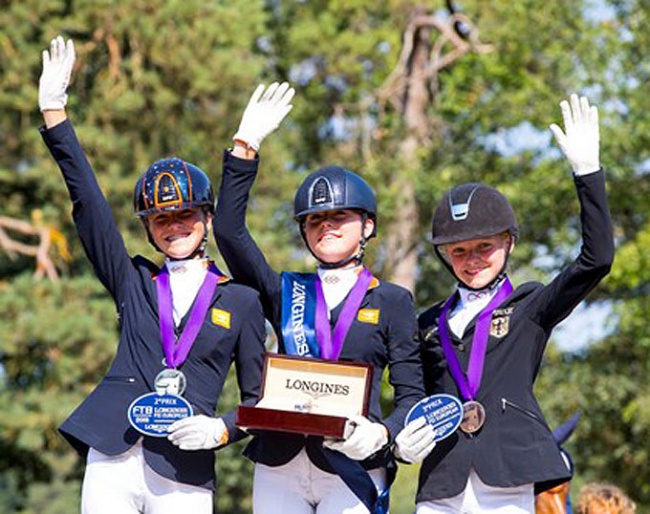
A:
172,184
333,188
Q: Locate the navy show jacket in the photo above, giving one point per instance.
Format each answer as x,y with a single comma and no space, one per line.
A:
515,446
101,422
391,342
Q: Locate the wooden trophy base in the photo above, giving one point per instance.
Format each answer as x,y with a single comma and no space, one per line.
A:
259,418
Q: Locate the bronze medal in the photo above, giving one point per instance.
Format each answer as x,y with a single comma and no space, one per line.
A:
473,417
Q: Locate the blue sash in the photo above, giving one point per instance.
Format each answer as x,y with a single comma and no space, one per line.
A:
299,335
357,478
299,314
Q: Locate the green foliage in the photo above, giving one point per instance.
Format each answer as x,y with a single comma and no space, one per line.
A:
609,386
151,79
58,339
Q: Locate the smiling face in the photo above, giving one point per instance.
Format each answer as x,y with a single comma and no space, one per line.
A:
178,233
477,262
335,235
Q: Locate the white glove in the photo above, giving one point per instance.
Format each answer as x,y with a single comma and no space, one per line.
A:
264,112
366,439
198,433
415,441
57,68
581,137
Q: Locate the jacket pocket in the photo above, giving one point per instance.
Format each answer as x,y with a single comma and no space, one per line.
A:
115,379
507,404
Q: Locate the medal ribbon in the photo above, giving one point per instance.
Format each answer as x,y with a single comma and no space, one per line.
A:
469,384
331,342
176,351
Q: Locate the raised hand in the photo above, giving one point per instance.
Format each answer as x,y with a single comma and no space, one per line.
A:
55,77
266,108
580,141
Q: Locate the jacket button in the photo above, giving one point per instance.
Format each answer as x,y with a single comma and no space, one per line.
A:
461,347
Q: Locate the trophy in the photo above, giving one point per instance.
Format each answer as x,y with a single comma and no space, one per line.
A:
308,396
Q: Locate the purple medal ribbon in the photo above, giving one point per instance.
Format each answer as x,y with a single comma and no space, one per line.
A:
331,342
470,383
176,351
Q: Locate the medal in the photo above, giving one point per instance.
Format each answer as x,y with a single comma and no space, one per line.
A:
170,381
151,413
468,384
473,417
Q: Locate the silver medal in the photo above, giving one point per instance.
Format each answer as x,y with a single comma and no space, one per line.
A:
170,381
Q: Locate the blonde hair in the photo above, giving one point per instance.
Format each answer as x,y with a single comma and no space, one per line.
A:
603,498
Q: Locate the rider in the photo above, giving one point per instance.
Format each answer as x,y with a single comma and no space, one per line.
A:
336,212
216,321
486,341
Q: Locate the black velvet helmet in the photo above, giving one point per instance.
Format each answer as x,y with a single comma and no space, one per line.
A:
470,211
172,184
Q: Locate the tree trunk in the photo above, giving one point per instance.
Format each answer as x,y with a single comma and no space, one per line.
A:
403,236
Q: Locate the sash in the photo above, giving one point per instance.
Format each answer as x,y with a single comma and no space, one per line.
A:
299,314
468,384
357,478
176,351
306,331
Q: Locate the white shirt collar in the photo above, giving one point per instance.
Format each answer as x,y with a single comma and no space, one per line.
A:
186,266
337,283
185,279
470,304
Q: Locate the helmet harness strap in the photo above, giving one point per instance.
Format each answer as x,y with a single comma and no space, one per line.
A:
358,257
199,251
499,276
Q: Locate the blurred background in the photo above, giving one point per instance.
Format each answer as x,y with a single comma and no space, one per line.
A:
415,96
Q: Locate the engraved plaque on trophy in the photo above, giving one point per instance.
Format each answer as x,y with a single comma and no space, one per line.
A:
308,396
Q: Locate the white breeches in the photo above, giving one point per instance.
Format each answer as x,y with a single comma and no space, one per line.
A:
126,484
478,498
299,487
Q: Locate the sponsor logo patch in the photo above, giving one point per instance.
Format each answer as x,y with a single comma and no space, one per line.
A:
221,318
368,316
